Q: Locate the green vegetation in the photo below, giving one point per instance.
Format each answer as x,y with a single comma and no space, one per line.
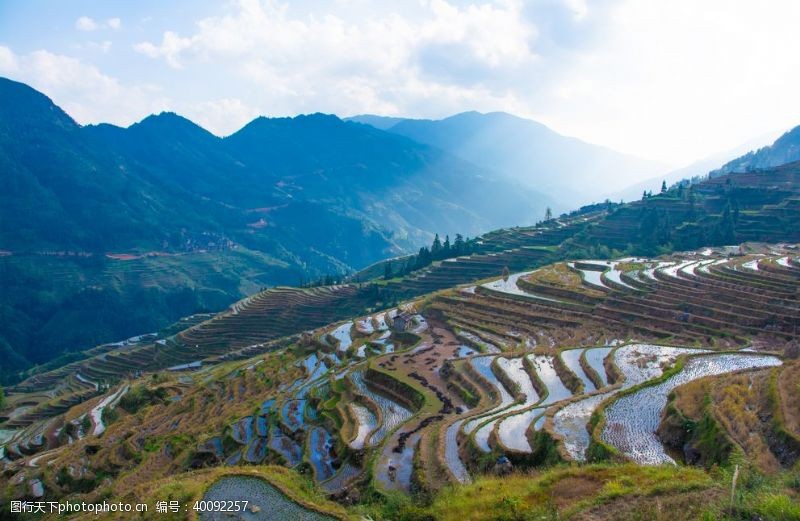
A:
139,396
319,200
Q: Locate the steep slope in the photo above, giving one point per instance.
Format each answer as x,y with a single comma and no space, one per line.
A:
62,192
569,170
785,149
412,188
760,206
298,197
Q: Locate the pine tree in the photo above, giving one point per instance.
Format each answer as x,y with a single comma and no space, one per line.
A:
548,214
387,271
664,186
412,261
458,245
436,247
446,248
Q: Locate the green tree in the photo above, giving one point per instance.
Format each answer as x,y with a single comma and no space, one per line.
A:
727,226
664,186
387,271
548,214
458,245
436,247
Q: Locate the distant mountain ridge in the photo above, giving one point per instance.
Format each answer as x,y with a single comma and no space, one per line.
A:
208,219
166,166
569,170
785,149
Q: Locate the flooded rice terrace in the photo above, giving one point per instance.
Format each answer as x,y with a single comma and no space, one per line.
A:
264,502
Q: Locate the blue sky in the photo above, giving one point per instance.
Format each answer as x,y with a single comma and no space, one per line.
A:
673,81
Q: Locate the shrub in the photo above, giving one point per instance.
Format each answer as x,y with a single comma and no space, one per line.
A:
140,396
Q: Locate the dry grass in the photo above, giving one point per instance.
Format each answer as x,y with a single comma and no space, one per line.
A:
160,439
789,390
740,406
560,276
568,493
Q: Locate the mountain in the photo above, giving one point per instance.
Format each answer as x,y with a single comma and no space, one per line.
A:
698,168
347,401
380,122
785,149
757,206
567,169
183,212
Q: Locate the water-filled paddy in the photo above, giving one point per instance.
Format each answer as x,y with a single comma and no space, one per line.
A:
572,359
269,502
394,470
451,456
614,275
345,474
557,391
513,367
285,446
632,420
293,414
637,363
510,287
483,365
392,413
342,334
320,453
366,422
512,430
570,422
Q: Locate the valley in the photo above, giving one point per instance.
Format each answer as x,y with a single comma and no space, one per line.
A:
617,361
495,376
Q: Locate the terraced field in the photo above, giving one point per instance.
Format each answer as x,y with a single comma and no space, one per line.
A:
542,366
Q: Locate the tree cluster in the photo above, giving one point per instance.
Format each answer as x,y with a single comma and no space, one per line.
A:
437,251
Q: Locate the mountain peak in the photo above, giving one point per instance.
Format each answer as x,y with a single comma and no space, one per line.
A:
26,106
172,125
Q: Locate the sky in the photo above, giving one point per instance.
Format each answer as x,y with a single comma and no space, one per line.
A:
672,81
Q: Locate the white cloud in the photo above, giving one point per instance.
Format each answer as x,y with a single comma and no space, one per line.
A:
85,93
170,48
671,81
668,81
680,81
387,63
84,23
8,61
221,117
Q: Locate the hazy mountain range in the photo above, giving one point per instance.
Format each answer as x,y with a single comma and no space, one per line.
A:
313,190
785,149
570,171
194,221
